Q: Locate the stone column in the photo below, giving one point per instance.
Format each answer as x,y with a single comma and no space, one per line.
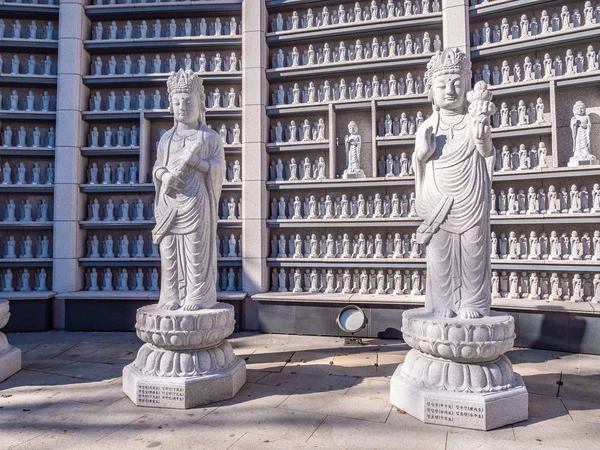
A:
73,61
10,357
255,203
455,14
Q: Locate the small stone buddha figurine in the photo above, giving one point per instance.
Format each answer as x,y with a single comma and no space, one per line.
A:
352,147
581,133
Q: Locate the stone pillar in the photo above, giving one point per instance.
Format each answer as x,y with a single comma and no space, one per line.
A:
455,14
10,357
73,61
255,203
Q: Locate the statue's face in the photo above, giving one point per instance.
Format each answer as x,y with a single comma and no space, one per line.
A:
186,108
448,92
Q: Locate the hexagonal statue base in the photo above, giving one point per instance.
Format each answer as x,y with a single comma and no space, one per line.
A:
457,374
478,411
182,393
186,361
10,362
10,357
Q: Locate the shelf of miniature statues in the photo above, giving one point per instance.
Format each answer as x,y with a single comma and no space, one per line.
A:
298,146
339,298
144,262
146,294
17,36
30,10
339,183
26,262
153,79
36,69
582,34
356,29
377,284
184,8
479,9
359,67
110,151
218,113
139,224
172,44
578,66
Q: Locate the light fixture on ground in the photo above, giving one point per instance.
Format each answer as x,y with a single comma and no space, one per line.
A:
352,319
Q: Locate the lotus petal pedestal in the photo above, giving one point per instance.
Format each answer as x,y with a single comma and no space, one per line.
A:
456,373
10,357
185,361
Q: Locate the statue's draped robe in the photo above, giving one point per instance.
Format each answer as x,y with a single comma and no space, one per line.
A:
458,177
186,221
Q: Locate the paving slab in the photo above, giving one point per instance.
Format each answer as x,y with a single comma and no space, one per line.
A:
547,407
372,387
336,404
268,362
30,380
558,432
90,370
309,382
469,442
317,362
583,411
270,423
15,434
349,434
258,395
355,365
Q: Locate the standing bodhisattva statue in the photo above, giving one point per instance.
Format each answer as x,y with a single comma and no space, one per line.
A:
188,175
453,163
186,360
456,373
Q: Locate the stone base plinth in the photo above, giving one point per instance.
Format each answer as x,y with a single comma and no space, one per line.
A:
10,362
186,361
478,411
182,392
582,162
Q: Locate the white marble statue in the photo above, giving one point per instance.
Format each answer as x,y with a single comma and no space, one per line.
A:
353,144
191,163
581,125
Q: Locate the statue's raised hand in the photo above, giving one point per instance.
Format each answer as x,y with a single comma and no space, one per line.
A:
424,143
172,181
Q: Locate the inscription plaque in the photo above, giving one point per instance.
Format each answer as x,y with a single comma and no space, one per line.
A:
150,394
454,413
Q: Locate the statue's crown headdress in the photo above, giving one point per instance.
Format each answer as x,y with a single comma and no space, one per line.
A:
448,61
184,81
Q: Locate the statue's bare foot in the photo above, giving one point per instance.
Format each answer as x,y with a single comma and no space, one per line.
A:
469,313
192,306
446,313
171,306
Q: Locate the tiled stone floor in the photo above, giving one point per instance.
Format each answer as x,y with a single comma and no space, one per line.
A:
302,392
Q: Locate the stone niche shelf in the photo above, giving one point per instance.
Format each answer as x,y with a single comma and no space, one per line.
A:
18,80
537,265
134,295
298,147
548,173
111,151
181,43
523,130
11,263
394,25
517,219
579,34
497,7
302,108
29,11
28,224
347,68
338,183
27,151
124,188
155,114
418,301
141,224
541,85
395,141
145,262
161,10
27,188
26,45
158,80
28,116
